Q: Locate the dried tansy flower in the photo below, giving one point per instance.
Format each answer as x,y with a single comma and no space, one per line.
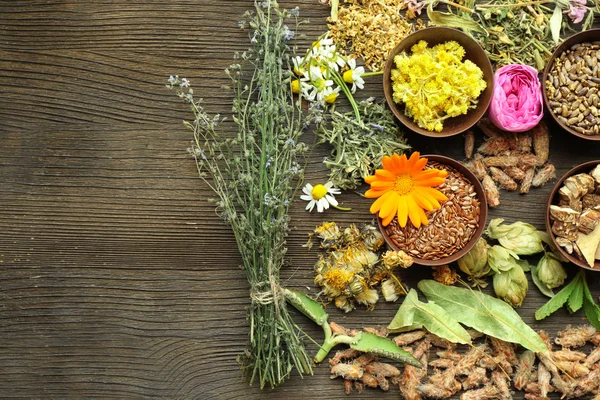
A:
445,275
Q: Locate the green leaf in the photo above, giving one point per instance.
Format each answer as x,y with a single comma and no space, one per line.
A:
591,309
371,343
453,21
575,299
431,316
556,23
307,306
541,286
484,313
558,300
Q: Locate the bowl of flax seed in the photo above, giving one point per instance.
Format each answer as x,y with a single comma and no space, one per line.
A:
453,229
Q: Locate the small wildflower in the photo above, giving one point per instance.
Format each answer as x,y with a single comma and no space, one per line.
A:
576,10
392,259
320,195
295,11
287,33
378,127
329,95
185,83
173,79
354,75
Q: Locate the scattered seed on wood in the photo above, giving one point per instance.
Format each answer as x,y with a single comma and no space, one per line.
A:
469,143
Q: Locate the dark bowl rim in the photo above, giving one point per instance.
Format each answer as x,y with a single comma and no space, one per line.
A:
570,41
481,108
483,212
575,170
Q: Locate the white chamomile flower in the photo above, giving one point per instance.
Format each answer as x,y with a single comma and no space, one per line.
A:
329,95
354,75
299,65
320,195
315,76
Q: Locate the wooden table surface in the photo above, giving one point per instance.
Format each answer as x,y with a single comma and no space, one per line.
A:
117,279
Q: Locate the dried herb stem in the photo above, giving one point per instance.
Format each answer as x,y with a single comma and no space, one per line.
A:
519,4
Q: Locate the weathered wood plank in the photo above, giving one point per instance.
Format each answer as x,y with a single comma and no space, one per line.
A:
117,278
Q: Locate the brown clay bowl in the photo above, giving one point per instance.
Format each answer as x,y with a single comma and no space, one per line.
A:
553,199
473,52
587,36
482,215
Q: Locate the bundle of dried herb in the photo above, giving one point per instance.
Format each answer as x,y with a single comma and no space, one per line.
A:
358,147
255,176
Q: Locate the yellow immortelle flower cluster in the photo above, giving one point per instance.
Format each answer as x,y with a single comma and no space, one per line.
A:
435,84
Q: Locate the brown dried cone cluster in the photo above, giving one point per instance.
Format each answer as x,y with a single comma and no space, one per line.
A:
576,218
489,370
507,159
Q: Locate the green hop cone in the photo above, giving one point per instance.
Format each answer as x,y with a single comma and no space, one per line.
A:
550,271
511,286
520,238
501,260
474,263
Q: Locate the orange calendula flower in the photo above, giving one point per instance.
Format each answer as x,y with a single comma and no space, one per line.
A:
404,188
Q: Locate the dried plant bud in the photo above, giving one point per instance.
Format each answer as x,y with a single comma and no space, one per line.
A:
515,173
527,180
524,369
492,194
393,259
544,175
391,290
503,179
550,271
590,201
520,142
408,338
369,380
469,143
499,380
573,369
494,146
501,161
346,371
432,391
328,232
568,355
530,160
487,392
489,129
445,275
541,140
476,378
544,377
519,237
575,337
511,286
477,166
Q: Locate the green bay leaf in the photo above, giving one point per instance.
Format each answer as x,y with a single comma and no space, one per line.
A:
484,313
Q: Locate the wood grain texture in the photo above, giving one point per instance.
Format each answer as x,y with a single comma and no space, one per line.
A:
117,279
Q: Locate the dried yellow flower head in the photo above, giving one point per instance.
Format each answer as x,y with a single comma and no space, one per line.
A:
393,259
445,275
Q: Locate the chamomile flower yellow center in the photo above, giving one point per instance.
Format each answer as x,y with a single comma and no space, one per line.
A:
296,86
403,184
348,78
318,192
331,98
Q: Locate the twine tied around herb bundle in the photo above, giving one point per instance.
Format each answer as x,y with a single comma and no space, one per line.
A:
266,292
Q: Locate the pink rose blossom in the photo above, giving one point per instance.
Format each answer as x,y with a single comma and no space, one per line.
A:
517,98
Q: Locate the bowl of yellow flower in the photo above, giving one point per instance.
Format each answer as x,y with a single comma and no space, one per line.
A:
432,208
438,81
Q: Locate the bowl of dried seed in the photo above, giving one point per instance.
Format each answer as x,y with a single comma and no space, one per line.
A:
453,229
571,84
573,215
438,81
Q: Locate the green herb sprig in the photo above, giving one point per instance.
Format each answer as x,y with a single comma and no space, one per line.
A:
575,295
255,176
358,147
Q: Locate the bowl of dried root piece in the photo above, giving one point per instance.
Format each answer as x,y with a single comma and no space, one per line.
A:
453,229
571,84
573,215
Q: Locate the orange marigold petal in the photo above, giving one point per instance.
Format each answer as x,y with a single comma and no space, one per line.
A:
424,220
386,221
373,194
413,213
422,200
412,161
402,211
401,162
390,205
426,174
430,182
388,164
385,175
420,164
382,185
377,204
371,178
436,194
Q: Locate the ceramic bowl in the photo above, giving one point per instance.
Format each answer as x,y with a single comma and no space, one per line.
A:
473,52
482,215
553,199
587,36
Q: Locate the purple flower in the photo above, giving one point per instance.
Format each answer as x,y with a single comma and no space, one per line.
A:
577,10
516,99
